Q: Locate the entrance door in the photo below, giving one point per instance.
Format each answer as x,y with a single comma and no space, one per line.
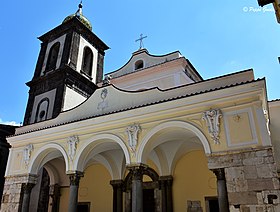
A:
148,200
212,204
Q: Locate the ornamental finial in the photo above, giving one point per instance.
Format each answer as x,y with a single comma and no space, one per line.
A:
79,11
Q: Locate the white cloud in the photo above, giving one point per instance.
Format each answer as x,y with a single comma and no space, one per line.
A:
9,122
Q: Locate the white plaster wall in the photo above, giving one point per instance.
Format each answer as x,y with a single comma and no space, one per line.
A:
83,44
165,71
51,96
148,60
163,79
72,99
61,40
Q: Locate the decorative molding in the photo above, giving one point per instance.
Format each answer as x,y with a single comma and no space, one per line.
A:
265,112
72,146
212,118
249,112
132,132
104,104
27,153
75,178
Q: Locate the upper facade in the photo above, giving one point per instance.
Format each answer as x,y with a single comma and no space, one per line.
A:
144,71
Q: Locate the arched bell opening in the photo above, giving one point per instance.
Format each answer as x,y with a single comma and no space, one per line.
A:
53,57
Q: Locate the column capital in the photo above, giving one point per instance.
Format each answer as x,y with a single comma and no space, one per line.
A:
166,178
75,178
165,181
137,170
116,183
27,187
220,173
133,166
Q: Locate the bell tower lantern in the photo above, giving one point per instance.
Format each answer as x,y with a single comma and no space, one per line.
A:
69,66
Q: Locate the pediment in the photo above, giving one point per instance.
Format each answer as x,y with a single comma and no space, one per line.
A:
110,100
148,60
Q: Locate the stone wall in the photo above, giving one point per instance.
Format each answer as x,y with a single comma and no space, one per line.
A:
251,178
13,192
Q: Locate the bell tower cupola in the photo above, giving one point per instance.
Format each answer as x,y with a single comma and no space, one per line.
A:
69,66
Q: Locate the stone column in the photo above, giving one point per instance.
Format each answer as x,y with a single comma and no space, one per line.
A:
169,196
127,201
74,187
26,187
222,189
55,195
117,195
136,185
166,193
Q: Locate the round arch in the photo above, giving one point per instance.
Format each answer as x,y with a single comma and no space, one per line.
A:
98,143
172,124
45,154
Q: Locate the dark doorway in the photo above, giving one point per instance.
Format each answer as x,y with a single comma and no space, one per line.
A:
212,204
83,207
148,200
43,201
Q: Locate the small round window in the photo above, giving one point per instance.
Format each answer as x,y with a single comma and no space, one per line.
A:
139,64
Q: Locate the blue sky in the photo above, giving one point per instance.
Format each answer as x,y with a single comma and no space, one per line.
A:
218,37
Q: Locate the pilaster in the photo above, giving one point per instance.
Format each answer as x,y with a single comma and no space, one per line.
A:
26,188
117,195
166,193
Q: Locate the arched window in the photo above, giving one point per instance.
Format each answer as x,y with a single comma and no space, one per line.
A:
139,64
87,62
52,58
42,110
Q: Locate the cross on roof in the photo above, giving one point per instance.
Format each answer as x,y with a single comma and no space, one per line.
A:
141,40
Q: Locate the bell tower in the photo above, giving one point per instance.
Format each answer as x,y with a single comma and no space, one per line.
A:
69,66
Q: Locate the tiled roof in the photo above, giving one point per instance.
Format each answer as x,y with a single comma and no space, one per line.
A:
144,105
274,100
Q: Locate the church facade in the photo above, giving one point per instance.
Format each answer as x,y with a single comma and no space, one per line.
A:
151,136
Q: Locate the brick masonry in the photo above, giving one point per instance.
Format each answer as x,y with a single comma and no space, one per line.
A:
251,177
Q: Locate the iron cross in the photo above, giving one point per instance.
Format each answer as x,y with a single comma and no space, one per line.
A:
141,40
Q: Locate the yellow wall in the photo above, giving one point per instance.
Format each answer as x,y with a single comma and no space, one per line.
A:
192,181
94,188
63,206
